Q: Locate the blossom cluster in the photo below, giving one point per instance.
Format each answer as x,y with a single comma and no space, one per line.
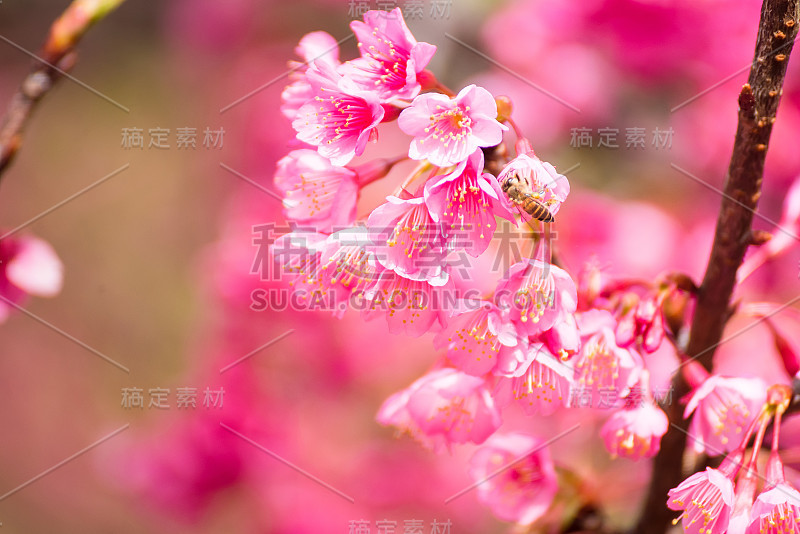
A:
537,333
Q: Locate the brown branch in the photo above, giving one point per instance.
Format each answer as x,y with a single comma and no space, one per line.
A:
758,104
57,56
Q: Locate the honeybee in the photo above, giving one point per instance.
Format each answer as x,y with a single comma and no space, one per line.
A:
519,190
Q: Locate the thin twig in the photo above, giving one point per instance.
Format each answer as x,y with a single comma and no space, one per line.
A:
56,58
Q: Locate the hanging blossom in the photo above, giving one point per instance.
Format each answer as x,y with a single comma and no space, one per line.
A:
706,499
516,477
476,337
443,407
635,431
723,407
392,61
313,47
447,130
540,178
644,323
28,266
536,295
411,307
340,118
465,203
407,239
321,194
539,385
601,364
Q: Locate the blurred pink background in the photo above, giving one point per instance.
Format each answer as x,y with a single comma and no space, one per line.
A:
158,258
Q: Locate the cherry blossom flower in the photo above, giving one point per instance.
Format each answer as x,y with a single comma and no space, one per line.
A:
314,46
340,119
407,239
723,408
391,59
540,385
706,499
466,202
475,337
443,407
28,266
447,130
536,295
635,432
601,364
316,192
644,323
776,511
541,178
516,477
413,307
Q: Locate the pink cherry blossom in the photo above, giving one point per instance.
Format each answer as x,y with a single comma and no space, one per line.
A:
447,130
340,119
316,192
391,59
313,47
601,364
443,407
516,477
540,177
407,239
466,202
297,258
776,511
413,307
723,408
536,295
635,432
706,499
475,337
540,385
643,323
28,266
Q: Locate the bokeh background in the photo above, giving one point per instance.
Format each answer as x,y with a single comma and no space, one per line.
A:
158,258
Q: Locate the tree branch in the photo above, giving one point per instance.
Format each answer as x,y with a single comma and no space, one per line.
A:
758,104
57,56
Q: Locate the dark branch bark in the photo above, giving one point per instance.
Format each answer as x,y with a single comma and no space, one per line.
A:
758,104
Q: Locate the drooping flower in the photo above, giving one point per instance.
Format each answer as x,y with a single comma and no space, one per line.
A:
443,407
346,266
28,266
706,499
540,178
466,202
475,337
315,46
407,239
723,408
413,307
635,432
316,192
540,385
536,295
297,256
447,130
516,477
643,323
601,364
340,118
391,59
776,511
